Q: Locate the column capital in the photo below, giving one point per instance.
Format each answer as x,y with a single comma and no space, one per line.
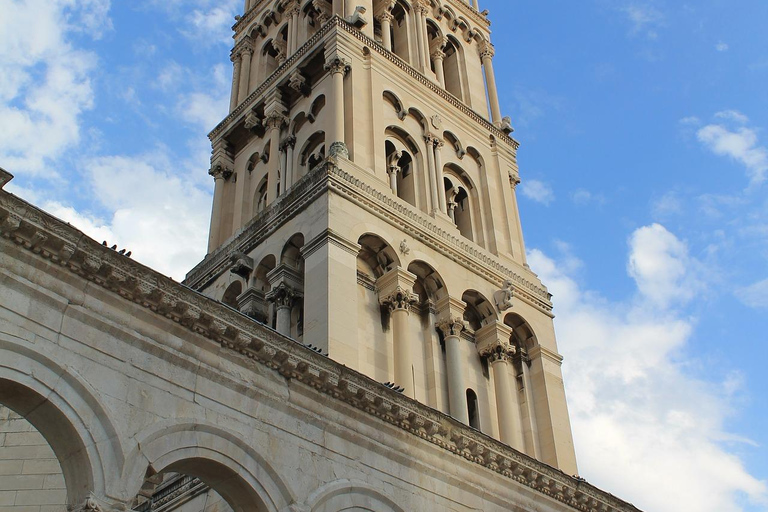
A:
437,54
275,120
486,50
288,142
292,8
421,6
385,16
337,65
492,336
283,295
396,289
286,283
451,326
245,45
220,172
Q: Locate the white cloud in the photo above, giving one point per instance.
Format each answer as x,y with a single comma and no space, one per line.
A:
160,216
668,204
661,266
538,191
45,82
740,144
203,109
631,402
755,295
690,121
722,47
204,21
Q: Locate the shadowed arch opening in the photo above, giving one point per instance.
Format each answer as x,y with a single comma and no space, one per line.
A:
479,310
231,293
347,495
376,256
430,286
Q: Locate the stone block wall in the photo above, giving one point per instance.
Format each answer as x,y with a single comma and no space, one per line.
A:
30,475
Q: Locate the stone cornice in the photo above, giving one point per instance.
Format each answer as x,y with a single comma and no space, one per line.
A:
465,8
50,238
382,204
338,23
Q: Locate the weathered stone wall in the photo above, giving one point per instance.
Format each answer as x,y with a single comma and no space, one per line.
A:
30,475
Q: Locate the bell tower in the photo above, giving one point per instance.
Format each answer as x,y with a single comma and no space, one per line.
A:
365,205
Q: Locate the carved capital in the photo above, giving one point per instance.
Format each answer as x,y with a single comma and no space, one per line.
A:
288,142
244,46
421,6
437,55
252,121
292,9
401,299
385,16
283,295
219,172
337,65
498,352
486,50
451,326
275,120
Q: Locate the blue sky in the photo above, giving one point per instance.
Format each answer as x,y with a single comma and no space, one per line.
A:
644,162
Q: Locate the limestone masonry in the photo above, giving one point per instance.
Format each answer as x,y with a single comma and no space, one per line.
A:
364,333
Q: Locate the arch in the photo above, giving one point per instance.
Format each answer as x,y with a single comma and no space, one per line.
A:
291,253
394,100
421,118
377,254
479,311
218,457
523,336
297,123
68,414
312,153
454,66
401,28
473,409
431,286
260,196
342,495
231,294
463,202
317,105
454,141
260,280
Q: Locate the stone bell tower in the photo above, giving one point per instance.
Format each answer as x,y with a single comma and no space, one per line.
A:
365,205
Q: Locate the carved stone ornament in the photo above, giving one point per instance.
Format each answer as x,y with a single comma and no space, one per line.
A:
404,249
451,326
338,148
503,297
337,65
506,125
242,265
357,19
275,120
499,352
399,300
283,296
218,171
298,82
486,50
252,121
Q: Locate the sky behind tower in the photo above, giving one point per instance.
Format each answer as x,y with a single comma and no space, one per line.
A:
644,162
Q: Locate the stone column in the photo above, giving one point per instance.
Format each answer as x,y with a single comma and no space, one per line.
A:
246,53
274,121
283,298
432,172
236,62
393,169
493,343
452,204
528,389
222,165
451,323
396,293
287,147
438,56
486,55
292,11
338,68
422,9
385,19
439,175
514,181
475,5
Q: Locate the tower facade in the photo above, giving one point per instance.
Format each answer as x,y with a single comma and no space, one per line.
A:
365,205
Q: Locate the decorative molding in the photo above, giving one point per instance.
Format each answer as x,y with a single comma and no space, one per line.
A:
336,23
84,257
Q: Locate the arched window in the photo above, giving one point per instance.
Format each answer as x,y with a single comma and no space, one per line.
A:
401,171
452,67
231,294
459,207
312,153
400,30
260,198
473,409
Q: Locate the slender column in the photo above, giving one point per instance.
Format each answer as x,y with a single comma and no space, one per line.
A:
295,35
507,404
451,328
218,195
385,19
283,169
431,141
452,204
514,181
396,293
439,174
288,145
393,169
236,63
475,5
245,73
438,56
283,297
528,389
338,68
273,122
486,54
493,343
421,35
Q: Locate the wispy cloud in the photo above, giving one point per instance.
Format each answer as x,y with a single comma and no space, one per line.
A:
538,191
755,295
722,47
645,18
740,143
